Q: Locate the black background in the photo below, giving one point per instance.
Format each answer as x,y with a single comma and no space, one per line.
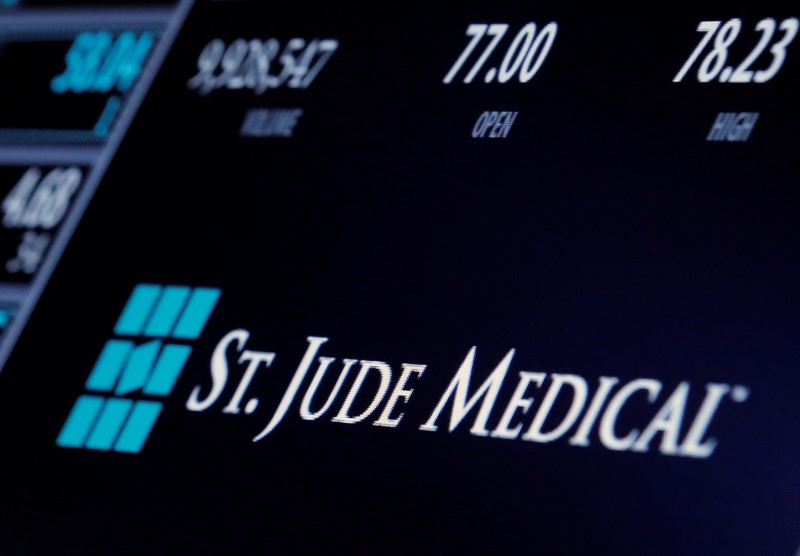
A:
603,237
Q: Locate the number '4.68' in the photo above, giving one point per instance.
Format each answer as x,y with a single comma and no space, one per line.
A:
40,202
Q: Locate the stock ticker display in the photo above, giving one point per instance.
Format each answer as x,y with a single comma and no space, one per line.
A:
294,277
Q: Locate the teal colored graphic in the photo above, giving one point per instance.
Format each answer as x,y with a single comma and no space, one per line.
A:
100,61
124,367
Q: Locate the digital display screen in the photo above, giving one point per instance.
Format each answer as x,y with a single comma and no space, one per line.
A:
378,279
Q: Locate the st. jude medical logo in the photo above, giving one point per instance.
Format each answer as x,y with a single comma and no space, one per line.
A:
138,362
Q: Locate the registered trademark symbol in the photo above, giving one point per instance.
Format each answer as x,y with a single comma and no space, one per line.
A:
740,393
251,406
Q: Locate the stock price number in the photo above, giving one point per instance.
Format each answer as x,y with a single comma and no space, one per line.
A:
98,62
523,58
260,65
714,64
38,201
36,204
